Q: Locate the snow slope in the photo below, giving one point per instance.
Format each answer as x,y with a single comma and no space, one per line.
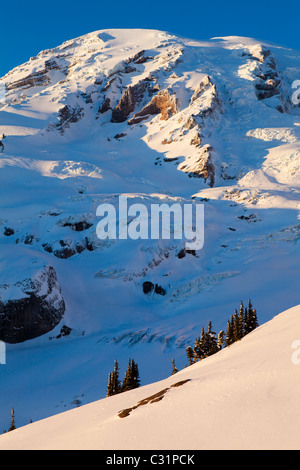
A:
158,118
244,397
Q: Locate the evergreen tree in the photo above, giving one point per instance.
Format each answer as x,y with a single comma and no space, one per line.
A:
199,347
237,327
246,317
126,380
229,333
12,424
116,384
252,320
196,351
205,344
202,345
212,345
109,390
135,375
220,343
174,368
241,320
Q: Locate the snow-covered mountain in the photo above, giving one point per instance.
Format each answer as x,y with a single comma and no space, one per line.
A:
157,118
244,397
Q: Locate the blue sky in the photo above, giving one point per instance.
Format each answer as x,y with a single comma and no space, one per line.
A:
29,27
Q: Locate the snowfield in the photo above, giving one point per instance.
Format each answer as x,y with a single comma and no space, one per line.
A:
244,397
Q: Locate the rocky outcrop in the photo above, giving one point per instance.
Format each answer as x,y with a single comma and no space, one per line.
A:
196,140
68,115
66,248
8,231
77,223
205,100
35,79
156,397
203,86
200,166
30,307
149,287
38,78
130,98
267,88
105,106
268,81
138,58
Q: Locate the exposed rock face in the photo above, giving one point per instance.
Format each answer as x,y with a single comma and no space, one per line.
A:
148,287
131,96
77,223
105,106
38,78
205,98
196,140
268,88
8,231
68,115
203,85
268,82
162,103
35,79
66,248
31,307
138,58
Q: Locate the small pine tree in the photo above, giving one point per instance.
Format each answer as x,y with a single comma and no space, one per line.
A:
203,345
212,345
198,352
241,320
135,375
174,368
220,342
116,384
252,320
246,316
126,380
132,377
237,327
230,333
190,355
109,390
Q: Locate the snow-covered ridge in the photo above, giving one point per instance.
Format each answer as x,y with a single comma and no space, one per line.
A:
247,396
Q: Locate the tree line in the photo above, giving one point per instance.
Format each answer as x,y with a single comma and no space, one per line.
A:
239,325
12,423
